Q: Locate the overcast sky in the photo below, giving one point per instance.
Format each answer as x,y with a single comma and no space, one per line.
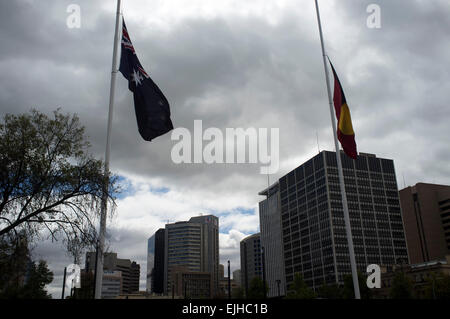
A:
231,64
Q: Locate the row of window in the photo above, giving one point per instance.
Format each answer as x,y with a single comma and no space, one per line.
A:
364,185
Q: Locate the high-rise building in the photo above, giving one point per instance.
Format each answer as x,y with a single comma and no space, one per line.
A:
159,262
251,262
312,217
271,240
426,215
192,244
130,271
150,263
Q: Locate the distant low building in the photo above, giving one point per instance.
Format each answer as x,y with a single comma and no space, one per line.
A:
223,286
420,274
237,276
130,270
146,295
192,284
111,284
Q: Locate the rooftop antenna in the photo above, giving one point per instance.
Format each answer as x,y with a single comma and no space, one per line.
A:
404,183
317,138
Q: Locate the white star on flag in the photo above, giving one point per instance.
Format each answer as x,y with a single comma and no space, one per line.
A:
137,77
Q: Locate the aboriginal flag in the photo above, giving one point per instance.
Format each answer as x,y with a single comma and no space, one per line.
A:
151,106
345,132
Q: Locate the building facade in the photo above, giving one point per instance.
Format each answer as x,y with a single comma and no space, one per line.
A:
312,218
251,262
223,287
150,264
426,214
192,244
271,240
111,284
130,271
192,284
159,262
237,276
421,275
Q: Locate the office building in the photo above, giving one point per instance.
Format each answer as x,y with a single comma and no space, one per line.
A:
111,284
271,240
426,215
150,263
130,271
191,284
312,218
159,262
251,262
192,244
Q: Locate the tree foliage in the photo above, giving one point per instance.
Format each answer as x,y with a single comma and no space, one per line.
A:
442,287
349,290
333,291
20,277
37,277
299,289
256,289
438,287
238,293
402,287
48,179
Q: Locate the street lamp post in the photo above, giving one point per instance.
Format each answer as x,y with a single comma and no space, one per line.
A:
229,281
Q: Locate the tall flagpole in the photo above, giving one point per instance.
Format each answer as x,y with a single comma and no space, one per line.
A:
339,164
103,212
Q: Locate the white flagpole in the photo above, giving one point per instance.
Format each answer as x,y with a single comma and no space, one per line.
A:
339,164
103,212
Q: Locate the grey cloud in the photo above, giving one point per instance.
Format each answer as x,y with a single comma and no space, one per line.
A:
232,71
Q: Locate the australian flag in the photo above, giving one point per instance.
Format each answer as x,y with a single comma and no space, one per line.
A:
151,106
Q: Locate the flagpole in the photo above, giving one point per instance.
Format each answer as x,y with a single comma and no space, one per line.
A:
103,212
339,164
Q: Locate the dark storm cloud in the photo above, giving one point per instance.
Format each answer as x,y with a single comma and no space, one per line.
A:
247,65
